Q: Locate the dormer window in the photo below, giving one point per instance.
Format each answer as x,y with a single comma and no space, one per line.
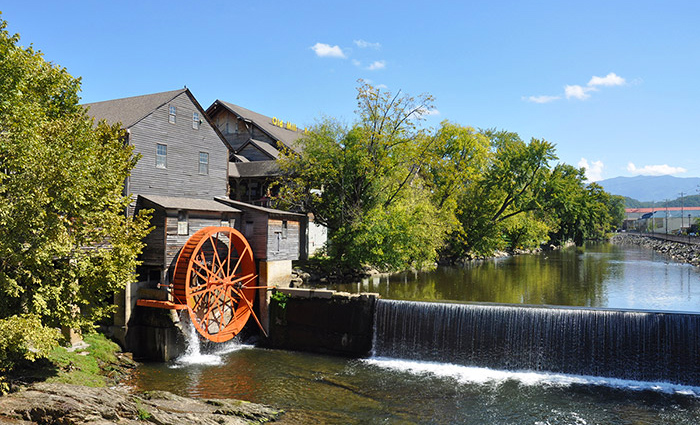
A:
195,120
172,113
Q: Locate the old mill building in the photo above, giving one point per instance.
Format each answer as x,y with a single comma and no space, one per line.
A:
204,168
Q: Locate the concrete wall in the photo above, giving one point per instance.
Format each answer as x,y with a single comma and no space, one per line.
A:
323,321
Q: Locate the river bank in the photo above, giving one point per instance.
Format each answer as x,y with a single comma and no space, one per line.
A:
83,385
684,253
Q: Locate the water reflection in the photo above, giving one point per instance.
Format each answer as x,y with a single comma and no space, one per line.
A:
600,275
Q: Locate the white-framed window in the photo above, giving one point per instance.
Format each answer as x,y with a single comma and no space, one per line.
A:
203,163
172,114
195,120
183,227
161,155
285,229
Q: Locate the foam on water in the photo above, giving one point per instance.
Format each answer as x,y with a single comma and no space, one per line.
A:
194,356
485,376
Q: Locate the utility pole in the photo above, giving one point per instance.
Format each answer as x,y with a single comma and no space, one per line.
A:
652,216
681,229
667,216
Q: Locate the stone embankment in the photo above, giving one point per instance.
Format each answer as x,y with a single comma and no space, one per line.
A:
685,253
46,403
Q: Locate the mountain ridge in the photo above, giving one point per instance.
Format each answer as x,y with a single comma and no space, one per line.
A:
656,189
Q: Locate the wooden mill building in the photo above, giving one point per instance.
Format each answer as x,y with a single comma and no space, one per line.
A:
255,141
186,167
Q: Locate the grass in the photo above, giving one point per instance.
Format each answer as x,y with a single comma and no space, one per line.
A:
94,366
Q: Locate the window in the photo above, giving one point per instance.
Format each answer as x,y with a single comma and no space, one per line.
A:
285,230
171,114
195,120
203,163
183,227
161,155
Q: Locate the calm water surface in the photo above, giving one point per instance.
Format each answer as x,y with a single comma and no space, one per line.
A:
316,389
601,275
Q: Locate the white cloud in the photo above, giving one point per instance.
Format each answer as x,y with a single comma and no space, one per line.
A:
366,44
611,79
655,170
356,63
541,99
382,86
327,51
594,170
377,65
578,92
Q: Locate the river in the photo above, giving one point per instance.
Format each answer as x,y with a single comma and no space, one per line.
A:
322,389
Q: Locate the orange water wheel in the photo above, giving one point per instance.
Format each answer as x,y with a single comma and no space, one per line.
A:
215,278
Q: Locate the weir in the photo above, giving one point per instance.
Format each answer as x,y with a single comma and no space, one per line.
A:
638,345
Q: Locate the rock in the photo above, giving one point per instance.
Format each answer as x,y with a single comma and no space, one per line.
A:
681,252
45,403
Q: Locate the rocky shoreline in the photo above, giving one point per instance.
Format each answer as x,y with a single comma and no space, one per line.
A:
49,403
684,253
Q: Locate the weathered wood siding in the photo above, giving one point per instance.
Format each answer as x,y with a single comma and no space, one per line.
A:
236,132
280,247
181,176
154,252
197,220
253,225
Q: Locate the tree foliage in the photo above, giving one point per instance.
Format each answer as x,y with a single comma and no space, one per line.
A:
395,196
66,243
363,182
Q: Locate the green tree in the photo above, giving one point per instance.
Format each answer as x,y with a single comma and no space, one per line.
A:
364,183
66,244
580,211
513,183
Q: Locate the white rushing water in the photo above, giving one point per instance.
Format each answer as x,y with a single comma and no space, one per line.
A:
485,376
194,355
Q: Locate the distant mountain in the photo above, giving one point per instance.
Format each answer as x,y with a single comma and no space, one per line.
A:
652,188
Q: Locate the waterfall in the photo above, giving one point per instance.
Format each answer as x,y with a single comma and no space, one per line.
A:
626,344
193,354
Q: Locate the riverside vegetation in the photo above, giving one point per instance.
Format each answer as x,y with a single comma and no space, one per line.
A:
395,196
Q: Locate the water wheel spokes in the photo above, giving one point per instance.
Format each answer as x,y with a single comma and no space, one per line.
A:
215,278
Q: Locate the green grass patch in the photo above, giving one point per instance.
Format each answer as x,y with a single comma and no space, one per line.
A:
96,365
91,366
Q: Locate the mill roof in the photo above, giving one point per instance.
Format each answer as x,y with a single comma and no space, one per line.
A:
266,148
191,204
130,110
254,169
271,211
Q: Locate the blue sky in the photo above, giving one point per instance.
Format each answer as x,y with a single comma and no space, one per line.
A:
613,84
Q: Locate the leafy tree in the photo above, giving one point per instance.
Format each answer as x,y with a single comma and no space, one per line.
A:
512,184
66,243
364,183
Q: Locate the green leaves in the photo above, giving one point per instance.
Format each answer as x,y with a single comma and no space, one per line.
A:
394,196
65,242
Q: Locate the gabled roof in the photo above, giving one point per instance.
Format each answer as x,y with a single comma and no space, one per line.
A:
266,148
130,110
263,122
254,169
191,204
